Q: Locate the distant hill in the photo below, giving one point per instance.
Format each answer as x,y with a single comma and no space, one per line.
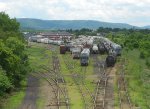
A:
37,24
147,27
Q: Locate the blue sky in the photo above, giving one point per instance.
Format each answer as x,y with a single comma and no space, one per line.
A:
135,12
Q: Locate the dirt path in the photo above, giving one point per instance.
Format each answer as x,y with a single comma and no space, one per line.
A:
30,98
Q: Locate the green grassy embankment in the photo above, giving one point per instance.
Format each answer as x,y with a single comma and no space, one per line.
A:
13,100
137,77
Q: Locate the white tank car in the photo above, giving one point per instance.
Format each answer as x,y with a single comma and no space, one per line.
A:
50,41
59,42
117,48
56,42
95,49
90,42
45,40
40,40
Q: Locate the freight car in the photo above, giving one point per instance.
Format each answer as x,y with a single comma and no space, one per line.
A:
117,48
76,53
111,59
84,57
57,42
33,39
101,48
68,46
62,49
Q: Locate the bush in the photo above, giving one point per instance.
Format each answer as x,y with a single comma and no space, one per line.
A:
148,62
142,56
4,82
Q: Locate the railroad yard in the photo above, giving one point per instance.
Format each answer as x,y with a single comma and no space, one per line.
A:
71,85
61,54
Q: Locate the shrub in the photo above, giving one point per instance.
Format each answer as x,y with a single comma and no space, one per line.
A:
148,62
4,82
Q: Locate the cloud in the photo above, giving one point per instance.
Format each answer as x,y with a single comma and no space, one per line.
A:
134,12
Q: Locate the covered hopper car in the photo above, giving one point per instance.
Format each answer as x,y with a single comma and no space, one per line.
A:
84,57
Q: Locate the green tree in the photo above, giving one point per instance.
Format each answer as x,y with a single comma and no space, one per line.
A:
5,84
13,59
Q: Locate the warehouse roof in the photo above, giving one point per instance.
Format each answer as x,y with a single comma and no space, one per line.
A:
56,34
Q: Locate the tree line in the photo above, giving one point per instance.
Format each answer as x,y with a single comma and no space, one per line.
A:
13,59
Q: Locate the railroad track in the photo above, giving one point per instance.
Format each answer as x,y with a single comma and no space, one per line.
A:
124,99
56,81
101,97
79,80
53,85
62,92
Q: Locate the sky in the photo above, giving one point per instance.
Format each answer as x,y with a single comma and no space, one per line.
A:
134,12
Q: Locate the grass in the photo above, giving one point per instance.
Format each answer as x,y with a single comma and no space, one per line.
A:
136,73
15,99
38,56
135,69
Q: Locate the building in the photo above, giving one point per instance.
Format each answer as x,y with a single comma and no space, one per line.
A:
57,35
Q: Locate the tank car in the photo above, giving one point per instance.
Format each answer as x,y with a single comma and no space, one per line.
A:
111,59
101,48
33,39
68,45
50,41
45,40
117,48
95,49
